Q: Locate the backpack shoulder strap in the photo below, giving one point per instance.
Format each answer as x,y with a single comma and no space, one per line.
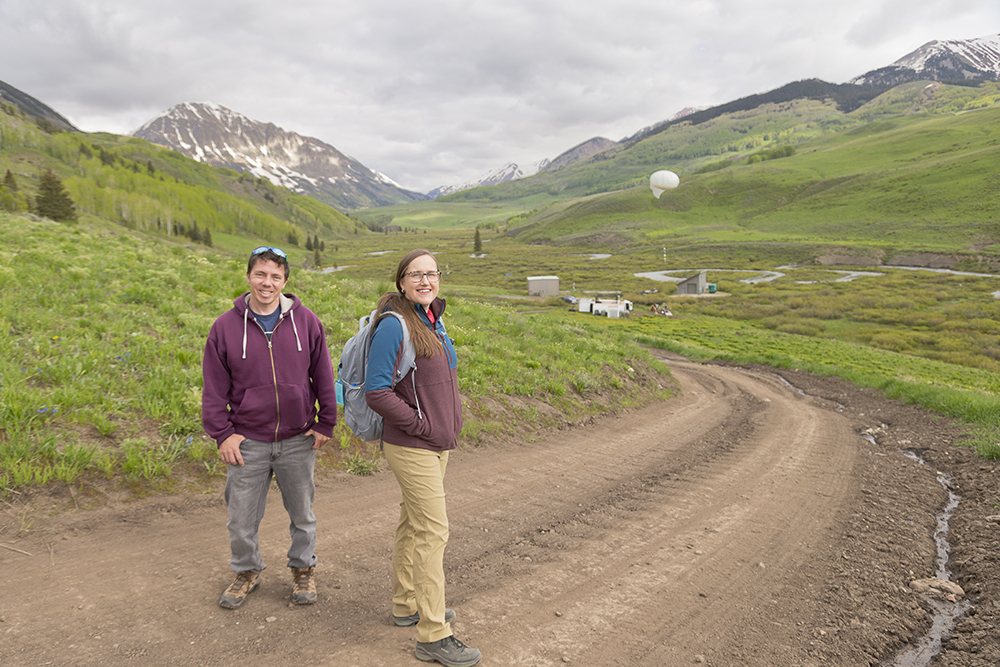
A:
408,360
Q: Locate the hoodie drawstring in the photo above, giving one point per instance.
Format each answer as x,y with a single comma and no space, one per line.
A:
295,329
246,316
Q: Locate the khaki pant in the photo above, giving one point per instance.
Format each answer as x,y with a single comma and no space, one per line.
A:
421,536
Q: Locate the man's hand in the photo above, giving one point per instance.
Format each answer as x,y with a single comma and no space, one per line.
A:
320,438
229,450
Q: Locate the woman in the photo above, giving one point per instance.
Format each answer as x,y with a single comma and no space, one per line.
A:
423,416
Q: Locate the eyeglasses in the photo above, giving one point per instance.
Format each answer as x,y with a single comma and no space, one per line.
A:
417,276
265,248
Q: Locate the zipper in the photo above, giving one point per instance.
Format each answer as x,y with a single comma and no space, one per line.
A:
274,377
441,337
274,373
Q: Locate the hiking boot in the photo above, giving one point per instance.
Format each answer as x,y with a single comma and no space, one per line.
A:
413,619
449,652
304,585
246,582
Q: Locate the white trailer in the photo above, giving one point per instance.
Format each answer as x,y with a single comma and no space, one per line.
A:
606,307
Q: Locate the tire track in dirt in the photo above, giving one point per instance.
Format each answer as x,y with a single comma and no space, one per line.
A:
668,557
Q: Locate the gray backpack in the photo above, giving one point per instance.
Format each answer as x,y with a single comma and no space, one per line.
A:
352,370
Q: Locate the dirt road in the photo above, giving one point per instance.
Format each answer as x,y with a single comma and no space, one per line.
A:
745,523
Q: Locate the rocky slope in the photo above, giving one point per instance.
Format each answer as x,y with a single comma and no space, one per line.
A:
218,136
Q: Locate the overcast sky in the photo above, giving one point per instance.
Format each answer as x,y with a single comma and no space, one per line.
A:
435,93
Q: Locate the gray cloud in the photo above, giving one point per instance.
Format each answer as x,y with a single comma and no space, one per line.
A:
437,92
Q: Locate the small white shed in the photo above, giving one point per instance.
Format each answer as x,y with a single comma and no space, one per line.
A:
543,285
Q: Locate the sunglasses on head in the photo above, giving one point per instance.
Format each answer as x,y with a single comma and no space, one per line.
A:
264,248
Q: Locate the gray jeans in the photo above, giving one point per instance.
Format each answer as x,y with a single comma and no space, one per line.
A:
290,462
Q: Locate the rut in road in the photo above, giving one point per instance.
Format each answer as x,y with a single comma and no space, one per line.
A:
674,524
669,533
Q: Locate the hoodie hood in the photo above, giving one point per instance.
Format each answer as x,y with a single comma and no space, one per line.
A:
288,303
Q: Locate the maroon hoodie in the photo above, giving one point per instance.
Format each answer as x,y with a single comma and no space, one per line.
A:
267,390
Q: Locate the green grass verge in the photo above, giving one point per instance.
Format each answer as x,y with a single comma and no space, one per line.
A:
971,395
105,330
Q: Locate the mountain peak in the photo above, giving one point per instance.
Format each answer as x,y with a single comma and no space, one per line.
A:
198,111
941,60
212,134
33,107
513,171
509,172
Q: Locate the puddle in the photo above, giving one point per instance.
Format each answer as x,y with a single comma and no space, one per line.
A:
946,614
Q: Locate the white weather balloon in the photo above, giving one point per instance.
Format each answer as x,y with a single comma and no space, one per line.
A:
663,180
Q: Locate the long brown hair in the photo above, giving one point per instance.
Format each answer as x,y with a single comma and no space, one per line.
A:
425,342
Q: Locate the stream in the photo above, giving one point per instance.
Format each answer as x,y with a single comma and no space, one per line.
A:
945,614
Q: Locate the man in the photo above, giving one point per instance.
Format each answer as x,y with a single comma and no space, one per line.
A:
266,366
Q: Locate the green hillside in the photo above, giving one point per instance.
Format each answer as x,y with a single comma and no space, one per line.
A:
686,146
145,187
918,155
922,181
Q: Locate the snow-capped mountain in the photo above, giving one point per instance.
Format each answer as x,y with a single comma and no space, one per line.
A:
218,136
512,171
947,60
508,172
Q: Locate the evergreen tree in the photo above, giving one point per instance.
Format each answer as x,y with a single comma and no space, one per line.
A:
53,201
317,260
477,243
309,242
206,237
11,199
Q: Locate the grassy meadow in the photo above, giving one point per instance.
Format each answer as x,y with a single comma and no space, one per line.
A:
101,384
924,336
